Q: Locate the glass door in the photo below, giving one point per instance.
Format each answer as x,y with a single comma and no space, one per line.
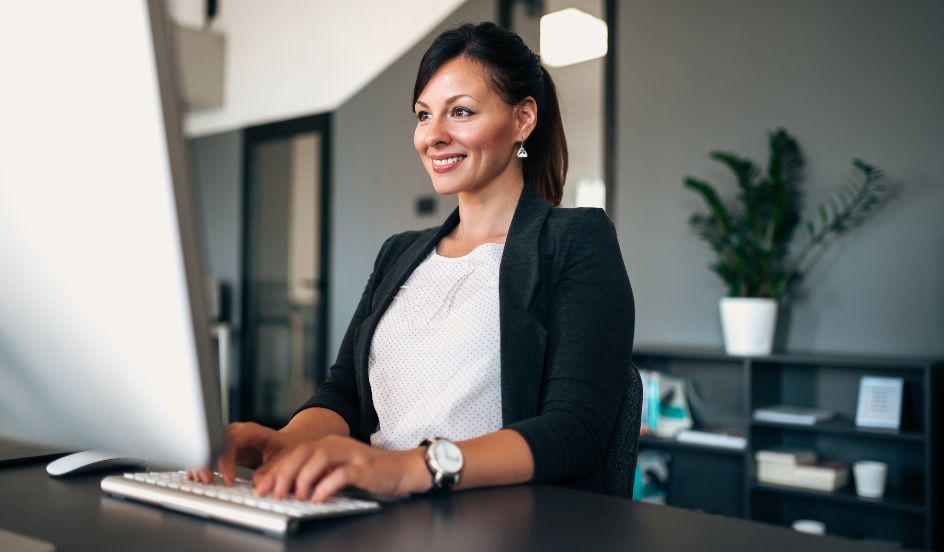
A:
285,215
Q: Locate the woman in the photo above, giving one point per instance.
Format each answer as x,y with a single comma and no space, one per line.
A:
506,332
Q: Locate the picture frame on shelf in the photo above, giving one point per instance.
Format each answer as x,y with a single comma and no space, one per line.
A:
879,403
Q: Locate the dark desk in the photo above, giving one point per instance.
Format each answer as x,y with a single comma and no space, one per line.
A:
74,514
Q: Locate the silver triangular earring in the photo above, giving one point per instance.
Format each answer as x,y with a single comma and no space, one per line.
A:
521,153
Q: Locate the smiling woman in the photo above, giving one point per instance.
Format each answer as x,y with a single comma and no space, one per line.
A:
491,350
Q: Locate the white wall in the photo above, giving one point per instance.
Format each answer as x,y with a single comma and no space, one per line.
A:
289,58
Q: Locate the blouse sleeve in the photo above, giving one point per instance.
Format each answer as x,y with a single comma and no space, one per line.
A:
587,364
339,391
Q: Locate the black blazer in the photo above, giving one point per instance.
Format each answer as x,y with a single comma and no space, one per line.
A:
566,313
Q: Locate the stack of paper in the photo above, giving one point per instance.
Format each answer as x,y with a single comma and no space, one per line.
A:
724,439
799,468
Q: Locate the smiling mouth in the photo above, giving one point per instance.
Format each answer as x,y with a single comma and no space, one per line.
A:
443,165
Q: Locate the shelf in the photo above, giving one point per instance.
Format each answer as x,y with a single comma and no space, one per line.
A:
891,501
844,427
836,360
672,444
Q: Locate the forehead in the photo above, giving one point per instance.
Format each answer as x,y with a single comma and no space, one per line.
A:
460,75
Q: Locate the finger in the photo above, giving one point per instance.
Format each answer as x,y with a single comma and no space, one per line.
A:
240,437
236,434
311,472
283,477
278,477
351,474
204,475
263,478
264,469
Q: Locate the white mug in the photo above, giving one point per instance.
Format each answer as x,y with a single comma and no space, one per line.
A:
870,478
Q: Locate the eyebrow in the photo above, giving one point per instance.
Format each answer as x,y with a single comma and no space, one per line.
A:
448,100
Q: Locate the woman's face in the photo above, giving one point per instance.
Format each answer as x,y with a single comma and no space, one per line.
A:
466,134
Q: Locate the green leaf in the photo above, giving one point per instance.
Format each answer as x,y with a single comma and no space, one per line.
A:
710,196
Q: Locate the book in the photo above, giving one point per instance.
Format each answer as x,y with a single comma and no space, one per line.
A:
731,439
789,414
674,415
652,477
785,455
649,414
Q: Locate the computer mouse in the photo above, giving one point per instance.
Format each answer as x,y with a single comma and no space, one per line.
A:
91,461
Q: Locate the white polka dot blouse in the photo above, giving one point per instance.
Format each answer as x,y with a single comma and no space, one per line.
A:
435,364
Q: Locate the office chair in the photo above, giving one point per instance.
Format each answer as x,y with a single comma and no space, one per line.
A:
619,461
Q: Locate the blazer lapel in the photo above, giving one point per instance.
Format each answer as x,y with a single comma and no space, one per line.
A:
523,339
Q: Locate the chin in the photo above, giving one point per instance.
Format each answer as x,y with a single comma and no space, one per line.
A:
444,187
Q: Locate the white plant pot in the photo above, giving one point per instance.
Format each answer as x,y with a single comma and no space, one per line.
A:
748,324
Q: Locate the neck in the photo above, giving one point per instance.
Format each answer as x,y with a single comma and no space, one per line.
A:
486,214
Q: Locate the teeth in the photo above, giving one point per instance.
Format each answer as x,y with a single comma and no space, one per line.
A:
450,161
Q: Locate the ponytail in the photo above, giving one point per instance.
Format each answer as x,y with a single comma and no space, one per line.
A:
545,168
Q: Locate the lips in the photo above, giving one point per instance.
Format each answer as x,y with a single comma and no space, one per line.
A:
443,164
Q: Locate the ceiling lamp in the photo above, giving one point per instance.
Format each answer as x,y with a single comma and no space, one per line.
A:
571,36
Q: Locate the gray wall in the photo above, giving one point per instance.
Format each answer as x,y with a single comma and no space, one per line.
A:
378,175
848,78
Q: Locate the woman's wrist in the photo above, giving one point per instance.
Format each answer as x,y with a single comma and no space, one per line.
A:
416,476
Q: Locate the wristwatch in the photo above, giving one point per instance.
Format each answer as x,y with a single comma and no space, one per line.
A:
444,461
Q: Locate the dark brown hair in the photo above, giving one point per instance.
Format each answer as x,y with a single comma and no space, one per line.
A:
516,73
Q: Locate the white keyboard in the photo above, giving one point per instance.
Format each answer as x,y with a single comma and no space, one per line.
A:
233,504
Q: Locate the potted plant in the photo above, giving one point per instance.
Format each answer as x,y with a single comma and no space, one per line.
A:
752,235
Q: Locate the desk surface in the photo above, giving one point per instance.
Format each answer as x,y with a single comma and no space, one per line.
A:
74,514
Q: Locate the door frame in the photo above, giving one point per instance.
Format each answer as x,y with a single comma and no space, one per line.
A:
252,137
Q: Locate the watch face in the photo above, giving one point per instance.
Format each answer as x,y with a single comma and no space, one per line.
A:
448,456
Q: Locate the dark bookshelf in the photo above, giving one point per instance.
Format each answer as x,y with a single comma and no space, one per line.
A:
845,427
731,387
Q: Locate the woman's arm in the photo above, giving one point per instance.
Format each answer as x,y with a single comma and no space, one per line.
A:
587,367
315,423
318,469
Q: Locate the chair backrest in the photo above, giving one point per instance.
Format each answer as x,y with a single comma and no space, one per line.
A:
619,462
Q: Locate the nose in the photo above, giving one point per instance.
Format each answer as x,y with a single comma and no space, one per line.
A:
436,132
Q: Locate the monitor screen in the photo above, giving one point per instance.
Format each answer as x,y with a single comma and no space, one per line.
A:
104,340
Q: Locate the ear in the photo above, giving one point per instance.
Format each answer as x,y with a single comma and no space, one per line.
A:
526,117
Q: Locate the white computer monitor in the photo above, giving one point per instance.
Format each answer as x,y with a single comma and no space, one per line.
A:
104,340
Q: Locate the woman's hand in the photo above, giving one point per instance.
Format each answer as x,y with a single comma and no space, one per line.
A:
318,469
247,444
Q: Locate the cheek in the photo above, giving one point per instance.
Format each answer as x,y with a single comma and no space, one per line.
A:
490,140
418,140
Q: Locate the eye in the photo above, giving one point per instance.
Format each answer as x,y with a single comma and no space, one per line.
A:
422,115
461,112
